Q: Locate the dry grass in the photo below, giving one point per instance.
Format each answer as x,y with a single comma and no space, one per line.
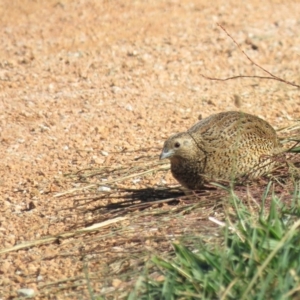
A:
115,229
81,77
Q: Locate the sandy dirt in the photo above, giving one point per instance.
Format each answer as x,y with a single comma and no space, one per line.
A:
83,80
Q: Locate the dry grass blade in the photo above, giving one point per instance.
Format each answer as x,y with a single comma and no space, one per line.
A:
64,235
150,218
122,175
290,128
153,217
290,135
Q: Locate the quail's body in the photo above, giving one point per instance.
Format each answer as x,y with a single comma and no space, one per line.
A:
222,146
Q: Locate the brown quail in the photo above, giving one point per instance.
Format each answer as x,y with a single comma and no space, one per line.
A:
222,146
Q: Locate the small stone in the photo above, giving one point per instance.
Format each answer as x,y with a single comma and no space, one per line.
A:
132,53
98,160
40,278
136,180
116,282
104,153
26,292
129,107
104,189
237,100
116,89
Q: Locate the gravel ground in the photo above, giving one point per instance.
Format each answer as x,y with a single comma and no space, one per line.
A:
82,80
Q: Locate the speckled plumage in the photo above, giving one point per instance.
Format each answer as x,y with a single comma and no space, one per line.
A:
222,146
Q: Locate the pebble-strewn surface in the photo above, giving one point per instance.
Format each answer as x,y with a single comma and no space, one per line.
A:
81,80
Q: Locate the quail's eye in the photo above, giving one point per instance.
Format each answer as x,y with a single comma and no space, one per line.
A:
177,145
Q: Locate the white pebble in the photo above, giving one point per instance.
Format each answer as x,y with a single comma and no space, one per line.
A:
104,189
26,292
129,107
136,180
116,89
104,153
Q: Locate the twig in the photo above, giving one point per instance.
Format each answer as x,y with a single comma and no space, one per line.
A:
272,76
50,239
161,168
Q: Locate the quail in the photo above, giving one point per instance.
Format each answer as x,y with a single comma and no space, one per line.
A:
222,146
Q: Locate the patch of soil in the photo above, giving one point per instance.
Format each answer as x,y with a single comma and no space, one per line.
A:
83,81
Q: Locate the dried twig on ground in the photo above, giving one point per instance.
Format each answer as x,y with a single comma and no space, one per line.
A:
272,76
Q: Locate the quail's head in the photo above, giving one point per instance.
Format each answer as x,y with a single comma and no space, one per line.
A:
179,146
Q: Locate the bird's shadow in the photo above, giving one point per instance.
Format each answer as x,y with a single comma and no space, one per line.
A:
147,196
129,200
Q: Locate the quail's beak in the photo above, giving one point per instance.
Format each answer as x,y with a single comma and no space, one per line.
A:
166,154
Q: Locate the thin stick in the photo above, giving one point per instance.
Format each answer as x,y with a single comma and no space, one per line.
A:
161,168
50,239
272,76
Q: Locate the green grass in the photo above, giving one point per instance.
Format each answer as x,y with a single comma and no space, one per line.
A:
258,258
